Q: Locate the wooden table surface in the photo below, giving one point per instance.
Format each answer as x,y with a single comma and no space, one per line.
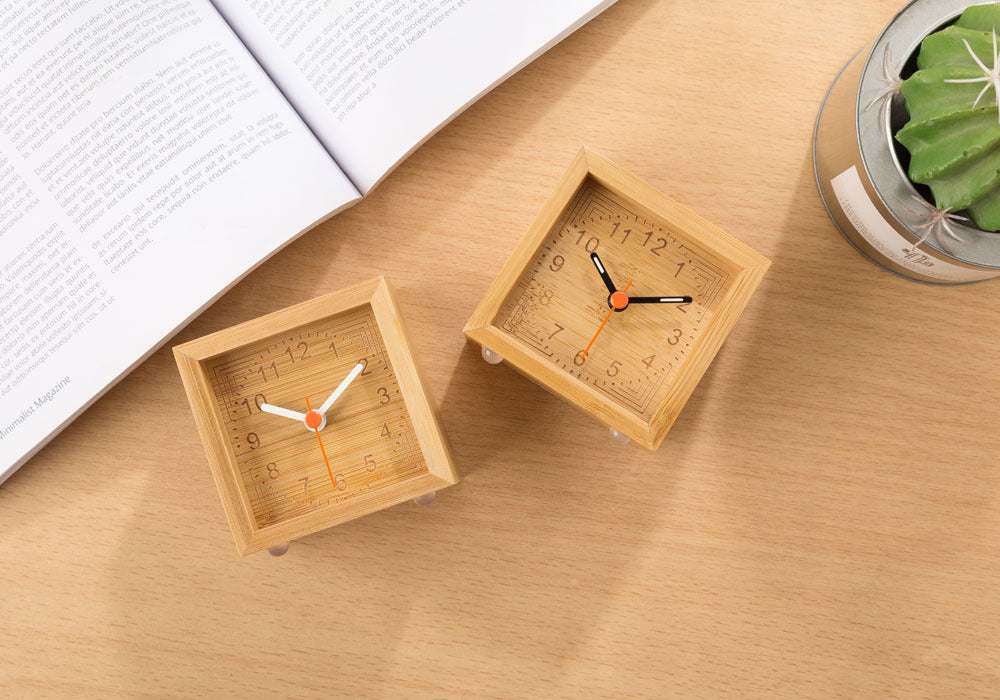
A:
822,521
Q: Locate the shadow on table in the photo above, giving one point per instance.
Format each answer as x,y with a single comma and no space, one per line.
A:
861,511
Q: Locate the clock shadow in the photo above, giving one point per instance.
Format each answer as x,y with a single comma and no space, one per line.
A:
553,510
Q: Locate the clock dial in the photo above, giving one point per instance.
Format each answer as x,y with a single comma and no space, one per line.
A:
367,443
560,305
616,299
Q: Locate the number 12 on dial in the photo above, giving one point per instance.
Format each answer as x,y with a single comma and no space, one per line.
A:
617,299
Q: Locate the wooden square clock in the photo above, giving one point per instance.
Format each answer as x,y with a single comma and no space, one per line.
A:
617,299
314,415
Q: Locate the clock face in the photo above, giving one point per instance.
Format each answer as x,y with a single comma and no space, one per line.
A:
287,469
559,306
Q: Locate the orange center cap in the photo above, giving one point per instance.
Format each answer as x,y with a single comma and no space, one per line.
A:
314,419
619,300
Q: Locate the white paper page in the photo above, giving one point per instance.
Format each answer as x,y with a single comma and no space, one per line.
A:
376,78
146,164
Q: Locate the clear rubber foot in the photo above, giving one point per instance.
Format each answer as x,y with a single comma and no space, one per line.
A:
618,438
278,550
426,499
492,357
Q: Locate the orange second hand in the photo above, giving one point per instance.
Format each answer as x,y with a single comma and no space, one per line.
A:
603,323
321,449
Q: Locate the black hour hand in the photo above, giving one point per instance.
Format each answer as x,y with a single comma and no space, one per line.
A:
660,300
603,273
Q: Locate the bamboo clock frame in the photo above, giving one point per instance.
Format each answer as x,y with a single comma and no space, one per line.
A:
746,265
192,359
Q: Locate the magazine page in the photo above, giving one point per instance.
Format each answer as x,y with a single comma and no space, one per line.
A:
146,164
376,78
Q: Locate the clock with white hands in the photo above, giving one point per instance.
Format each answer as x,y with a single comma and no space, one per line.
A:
314,415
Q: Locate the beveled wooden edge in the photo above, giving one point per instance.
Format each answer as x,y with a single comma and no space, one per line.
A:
191,356
750,265
222,462
426,424
278,322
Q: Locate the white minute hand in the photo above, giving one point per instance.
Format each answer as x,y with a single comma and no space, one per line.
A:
340,389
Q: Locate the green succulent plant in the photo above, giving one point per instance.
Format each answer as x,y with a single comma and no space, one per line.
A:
953,134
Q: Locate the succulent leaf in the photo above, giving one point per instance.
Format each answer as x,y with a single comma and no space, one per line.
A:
929,97
986,211
959,189
946,144
980,17
953,134
947,48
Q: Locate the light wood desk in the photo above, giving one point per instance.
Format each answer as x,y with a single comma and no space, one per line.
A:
822,521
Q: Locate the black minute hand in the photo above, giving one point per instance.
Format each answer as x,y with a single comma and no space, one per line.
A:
660,300
603,273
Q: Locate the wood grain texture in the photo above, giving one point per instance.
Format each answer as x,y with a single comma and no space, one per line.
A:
822,520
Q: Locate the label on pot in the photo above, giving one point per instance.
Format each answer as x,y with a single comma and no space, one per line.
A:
873,227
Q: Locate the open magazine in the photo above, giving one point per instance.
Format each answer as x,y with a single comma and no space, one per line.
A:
153,152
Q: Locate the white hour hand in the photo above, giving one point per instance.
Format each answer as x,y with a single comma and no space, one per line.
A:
284,412
340,389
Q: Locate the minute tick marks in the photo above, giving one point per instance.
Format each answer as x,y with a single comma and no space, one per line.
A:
592,256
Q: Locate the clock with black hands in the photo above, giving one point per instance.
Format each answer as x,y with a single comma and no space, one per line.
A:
314,415
617,300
